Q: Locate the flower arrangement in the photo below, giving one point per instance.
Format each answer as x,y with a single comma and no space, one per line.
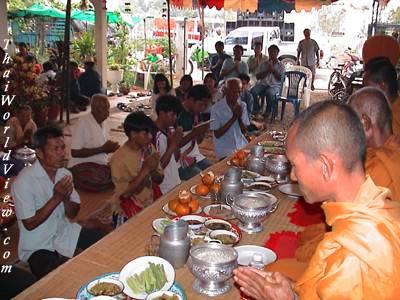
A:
23,84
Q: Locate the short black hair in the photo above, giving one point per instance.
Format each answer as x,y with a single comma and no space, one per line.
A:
168,103
73,64
47,66
89,64
334,127
211,76
219,43
379,70
186,77
137,121
42,135
270,48
244,77
198,92
239,47
160,77
258,43
22,44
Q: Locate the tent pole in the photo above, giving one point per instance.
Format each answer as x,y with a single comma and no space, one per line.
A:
66,66
202,41
169,43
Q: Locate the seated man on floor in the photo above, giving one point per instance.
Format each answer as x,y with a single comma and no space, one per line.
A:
192,162
359,258
90,80
135,166
167,141
45,202
89,148
230,120
269,81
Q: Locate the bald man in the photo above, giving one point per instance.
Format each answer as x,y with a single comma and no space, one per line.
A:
379,72
90,147
359,258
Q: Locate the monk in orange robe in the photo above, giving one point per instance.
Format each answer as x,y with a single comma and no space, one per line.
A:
359,258
379,72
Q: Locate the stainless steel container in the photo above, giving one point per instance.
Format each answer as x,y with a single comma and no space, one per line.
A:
252,208
175,243
231,184
278,165
25,155
256,160
212,265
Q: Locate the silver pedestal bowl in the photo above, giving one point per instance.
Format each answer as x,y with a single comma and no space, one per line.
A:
278,165
212,265
252,208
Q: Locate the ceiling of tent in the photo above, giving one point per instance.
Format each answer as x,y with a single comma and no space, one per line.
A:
253,5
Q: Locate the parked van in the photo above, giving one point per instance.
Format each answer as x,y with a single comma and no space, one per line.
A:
248,36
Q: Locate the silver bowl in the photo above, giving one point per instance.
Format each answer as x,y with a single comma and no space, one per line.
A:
252,208
25,155
278,165
212,265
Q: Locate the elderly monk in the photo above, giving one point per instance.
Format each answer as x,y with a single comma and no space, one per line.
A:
380,73
383,153
359,258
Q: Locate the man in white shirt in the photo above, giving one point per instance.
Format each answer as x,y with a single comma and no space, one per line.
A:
269,81
309,51
45,201
167,140
230,120
90,146
232,67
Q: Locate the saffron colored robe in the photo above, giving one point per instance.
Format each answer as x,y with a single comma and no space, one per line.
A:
359,258
396,116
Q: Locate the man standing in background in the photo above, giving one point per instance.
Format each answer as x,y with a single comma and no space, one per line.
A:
309,50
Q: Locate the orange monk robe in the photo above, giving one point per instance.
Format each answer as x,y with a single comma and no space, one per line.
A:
359,258
396,116
383,165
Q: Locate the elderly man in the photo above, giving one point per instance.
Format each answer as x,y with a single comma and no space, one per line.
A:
359,258
89,148
45,201
308,49
380,73
229,120
232,67
269,76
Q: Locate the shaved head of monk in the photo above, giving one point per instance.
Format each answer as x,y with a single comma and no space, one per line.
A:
373,109
326,146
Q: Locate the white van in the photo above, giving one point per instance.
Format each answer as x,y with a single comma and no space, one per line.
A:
248,36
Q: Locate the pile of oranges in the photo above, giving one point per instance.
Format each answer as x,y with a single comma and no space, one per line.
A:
207,184
184,204
239,159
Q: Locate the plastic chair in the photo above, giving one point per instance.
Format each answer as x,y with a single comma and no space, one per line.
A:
296,83
306,96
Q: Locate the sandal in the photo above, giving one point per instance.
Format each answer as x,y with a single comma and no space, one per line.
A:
124,107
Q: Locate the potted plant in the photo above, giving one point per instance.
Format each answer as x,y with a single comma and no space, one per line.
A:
114,76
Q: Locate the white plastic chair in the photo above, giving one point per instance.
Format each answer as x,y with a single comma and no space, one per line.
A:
307,90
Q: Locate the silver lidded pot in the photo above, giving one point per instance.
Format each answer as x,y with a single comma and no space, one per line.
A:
175,243
232,183
212,265
25,155
278,165
251,209
256,160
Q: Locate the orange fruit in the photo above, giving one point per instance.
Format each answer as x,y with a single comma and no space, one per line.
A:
194,205
202,189
235,162
182,210
184,197
241,154
215,187
172,204
207,180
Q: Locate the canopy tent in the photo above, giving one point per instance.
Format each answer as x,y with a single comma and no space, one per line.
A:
112,17
253,5
37,10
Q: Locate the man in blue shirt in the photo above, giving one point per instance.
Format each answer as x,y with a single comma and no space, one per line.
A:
218,59
230,120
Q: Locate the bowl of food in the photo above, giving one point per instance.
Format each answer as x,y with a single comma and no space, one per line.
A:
217,224
221,211
194,221
225,237
164,295
212,264
252,208
106,287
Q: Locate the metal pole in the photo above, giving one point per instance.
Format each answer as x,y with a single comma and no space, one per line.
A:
202,41
185,43
169,43
66,66
145,36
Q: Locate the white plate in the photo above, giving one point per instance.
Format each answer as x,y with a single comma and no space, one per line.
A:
207,209
155,295
246,252
171,213
290,189
158,224
139,265
193,191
